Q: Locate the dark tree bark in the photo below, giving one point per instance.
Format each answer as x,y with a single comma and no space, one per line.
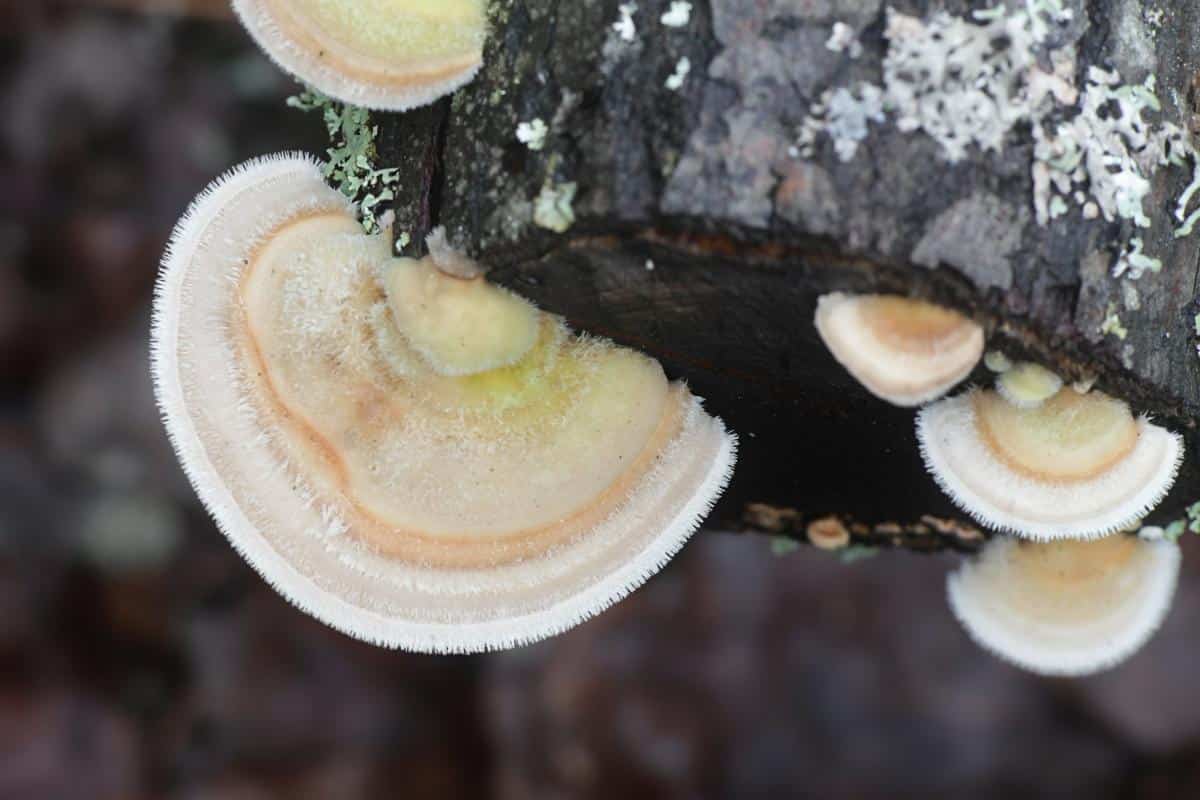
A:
699,239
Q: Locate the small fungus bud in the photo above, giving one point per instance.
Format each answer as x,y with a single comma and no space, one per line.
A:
385,54
418,460
1085,384
997,361
1069,607
904,351
828,533
1028,385
1078,466
460,327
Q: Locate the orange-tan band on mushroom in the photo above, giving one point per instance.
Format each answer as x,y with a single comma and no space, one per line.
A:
400,504
385,54
1071,437
1068,607
902,350
1078,466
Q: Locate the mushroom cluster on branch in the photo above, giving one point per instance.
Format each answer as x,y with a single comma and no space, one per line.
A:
1064,474
409,453
425,460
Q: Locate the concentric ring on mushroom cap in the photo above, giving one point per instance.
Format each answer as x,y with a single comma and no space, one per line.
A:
1065,608
1082,467
904,351
289,474
387,54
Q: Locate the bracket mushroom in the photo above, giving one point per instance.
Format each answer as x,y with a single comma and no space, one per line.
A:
415,457
1078,466
904,351
391,55
1068,607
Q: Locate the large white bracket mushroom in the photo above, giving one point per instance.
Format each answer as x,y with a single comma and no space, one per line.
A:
1077,466
1065,608
386,54
410,454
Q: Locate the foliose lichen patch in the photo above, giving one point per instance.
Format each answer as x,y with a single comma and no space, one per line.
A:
350,161
970,82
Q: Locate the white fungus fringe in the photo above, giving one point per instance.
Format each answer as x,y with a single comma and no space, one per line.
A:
295,60
999,498
997,631
318,580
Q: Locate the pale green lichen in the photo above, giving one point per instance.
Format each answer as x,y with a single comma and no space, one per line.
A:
675,80
844,116
625,27
678,15
782,545
1133,263
1109,151
857,552
1112,325
532,134
969,82
350,159
1190,522
553,207
1188,221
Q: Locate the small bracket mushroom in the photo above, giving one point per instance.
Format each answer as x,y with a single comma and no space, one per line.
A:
1069,607
383,54
1078,466
904,351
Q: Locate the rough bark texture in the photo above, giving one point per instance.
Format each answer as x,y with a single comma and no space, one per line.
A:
701,240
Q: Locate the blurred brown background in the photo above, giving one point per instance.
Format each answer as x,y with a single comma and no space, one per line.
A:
140,658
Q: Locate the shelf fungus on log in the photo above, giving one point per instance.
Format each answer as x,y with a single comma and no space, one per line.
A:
419,459
904,351
1078,466
1069,607
384,54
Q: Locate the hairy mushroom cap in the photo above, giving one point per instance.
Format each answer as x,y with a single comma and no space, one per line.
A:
1069,607
386,54
902,350
1028,385
434,509
1078,466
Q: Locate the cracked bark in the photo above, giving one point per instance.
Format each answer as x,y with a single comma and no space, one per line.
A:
700,241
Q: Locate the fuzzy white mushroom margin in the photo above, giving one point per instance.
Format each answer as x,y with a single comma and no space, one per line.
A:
998,497
293,59
989,629
324,525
